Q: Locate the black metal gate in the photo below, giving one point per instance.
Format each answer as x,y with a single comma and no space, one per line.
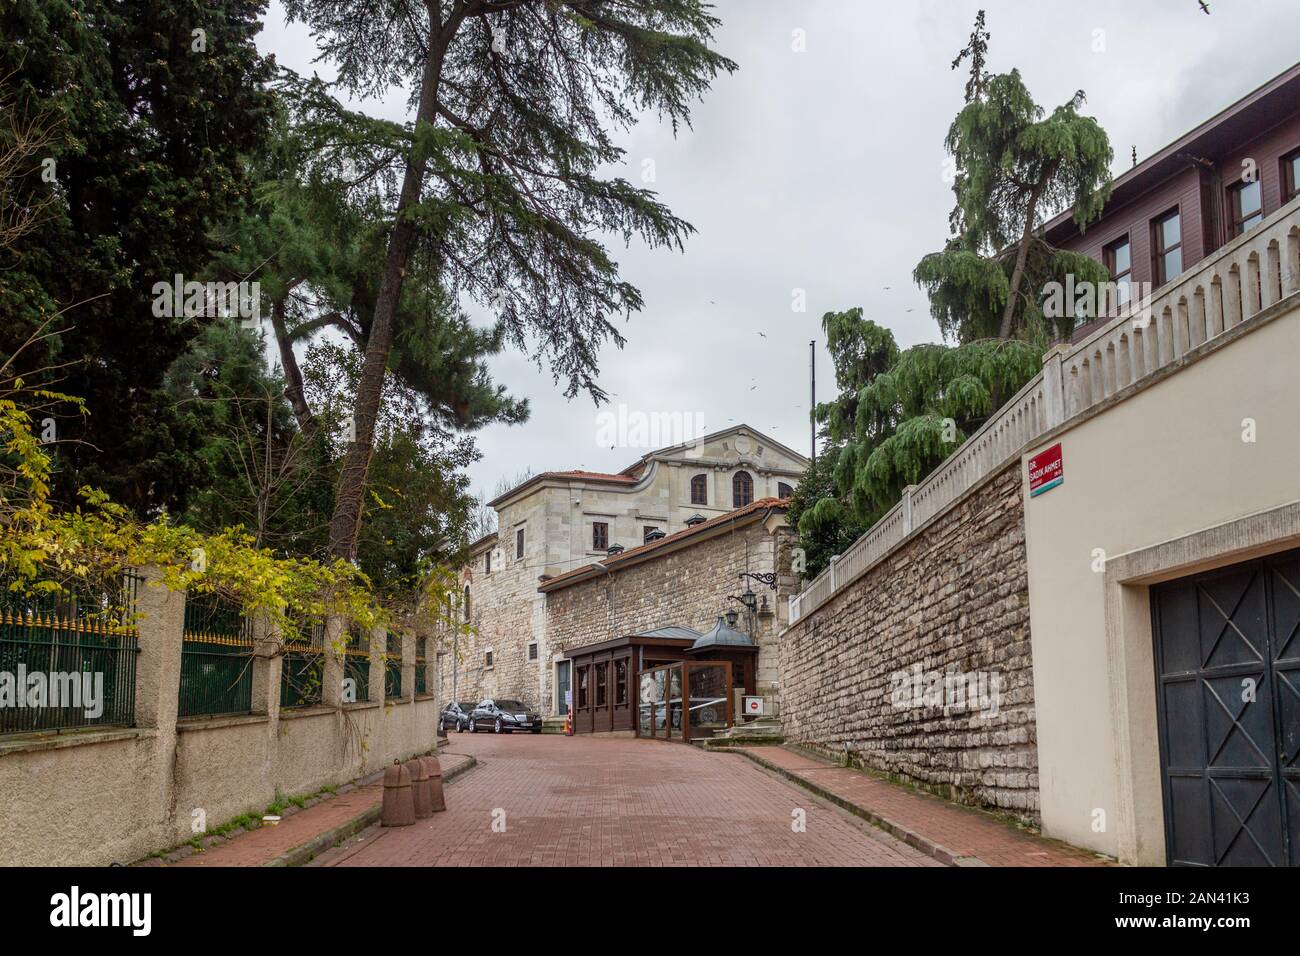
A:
1228,665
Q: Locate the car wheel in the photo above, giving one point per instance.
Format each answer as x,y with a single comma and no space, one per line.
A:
496,728
442,725
473,728
460,726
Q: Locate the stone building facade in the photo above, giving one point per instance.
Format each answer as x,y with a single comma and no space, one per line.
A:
922,668
556,522
685,580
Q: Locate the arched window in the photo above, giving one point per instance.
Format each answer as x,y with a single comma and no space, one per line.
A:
700,490
467,603
742,489
783,490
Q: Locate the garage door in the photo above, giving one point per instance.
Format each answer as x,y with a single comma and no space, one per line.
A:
1228,657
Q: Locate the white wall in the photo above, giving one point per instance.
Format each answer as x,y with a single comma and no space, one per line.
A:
1164,463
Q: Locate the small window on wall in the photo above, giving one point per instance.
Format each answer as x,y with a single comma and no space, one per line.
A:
582,687
467,604
1246,205
600,535
600,685
620,682
1118,258
519,544
1167,244
783,490
487,659
487,562
532,652
1291,176
742,489
700,490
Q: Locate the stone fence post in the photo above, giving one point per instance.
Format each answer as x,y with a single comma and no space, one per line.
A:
408,666
161,624
378,647
268,661
1053,387
331,685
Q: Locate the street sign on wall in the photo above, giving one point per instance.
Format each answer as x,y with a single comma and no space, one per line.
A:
1046,470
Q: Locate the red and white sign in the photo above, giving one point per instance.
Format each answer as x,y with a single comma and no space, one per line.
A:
753,706
1046,470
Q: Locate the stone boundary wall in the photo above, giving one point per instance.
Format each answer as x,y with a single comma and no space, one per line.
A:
98,796
687,586
952,598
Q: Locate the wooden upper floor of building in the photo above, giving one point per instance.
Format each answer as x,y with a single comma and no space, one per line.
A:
1209,186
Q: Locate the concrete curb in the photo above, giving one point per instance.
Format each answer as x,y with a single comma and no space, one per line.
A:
304,852
913,839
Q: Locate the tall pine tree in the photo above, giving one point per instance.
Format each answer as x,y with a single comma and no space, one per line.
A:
1016,165
153,103
499,174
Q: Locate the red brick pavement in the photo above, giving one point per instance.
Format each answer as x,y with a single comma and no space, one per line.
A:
259,847
584,801
961,830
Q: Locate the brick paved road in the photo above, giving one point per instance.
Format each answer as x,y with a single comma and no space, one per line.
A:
581,801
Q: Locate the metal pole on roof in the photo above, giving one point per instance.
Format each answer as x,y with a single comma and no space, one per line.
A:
812,398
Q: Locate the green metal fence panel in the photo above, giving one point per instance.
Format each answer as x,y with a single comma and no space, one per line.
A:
301,670
300,678
69,661
392,677
356,666
216,658
393,666
356,663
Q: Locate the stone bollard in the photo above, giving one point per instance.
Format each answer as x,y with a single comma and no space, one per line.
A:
437,802
399,804
421,795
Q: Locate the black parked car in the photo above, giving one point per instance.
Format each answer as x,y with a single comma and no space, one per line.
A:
455,715
503,716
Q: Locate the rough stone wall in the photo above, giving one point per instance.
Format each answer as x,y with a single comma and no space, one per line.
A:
687,587
501,612
955,598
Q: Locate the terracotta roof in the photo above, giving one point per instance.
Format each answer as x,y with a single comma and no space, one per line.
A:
632,554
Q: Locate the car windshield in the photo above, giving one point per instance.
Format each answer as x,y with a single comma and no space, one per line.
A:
467,705
511,705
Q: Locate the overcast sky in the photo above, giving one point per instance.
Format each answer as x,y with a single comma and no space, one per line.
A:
823,171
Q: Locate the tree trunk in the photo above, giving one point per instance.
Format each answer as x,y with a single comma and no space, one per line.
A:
1018,273
293,390
346,520
1022,254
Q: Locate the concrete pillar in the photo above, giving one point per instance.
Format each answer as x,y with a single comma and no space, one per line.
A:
378,645
907,509
267,664
408,666
161,626
161,623
1053,387
331,690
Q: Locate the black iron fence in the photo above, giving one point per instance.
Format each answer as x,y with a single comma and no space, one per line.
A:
393,666
216,658
68,661
301,671
356,667
421,671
